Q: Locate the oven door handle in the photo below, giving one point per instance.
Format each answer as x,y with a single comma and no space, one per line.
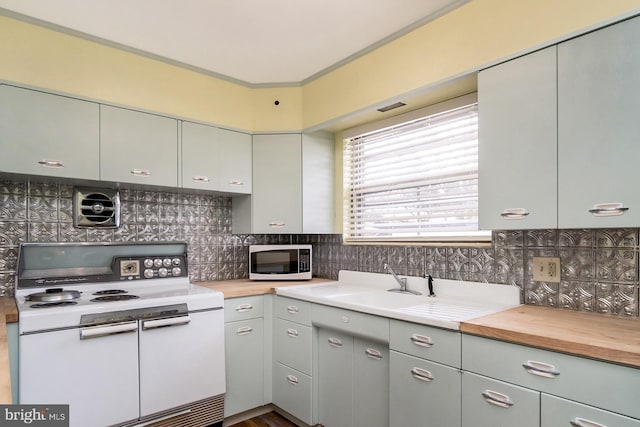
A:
167,321
105,330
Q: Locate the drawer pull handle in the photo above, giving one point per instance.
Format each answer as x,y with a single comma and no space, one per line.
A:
581,422
292,380
334,342
422,340
422,374
374,354
141,172
244,330
292,333
238,182
541,369
608,209
242,308
276,224
48,163
201,179
514,213
292,309
497,399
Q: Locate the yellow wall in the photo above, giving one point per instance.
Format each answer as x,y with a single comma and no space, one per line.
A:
462,41
478,33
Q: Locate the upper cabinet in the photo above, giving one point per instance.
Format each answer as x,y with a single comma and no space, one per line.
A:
292,184
137,147
592,86
599,128
518,143
235,162
44,134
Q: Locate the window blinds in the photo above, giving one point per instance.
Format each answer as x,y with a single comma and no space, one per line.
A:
417,180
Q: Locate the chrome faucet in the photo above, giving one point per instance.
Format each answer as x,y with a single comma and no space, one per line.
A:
402,281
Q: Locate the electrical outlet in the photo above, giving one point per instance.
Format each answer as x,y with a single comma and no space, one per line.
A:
546,269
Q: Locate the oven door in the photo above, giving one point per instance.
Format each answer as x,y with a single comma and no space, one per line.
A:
181,360
93,370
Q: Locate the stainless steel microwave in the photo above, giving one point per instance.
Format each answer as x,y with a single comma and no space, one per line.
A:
280,262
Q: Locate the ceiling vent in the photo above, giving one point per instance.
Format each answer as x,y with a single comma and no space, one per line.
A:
391,107
96,208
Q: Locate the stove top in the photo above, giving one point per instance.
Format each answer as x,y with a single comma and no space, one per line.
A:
59,283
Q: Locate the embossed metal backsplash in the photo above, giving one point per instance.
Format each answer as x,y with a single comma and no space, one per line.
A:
599,267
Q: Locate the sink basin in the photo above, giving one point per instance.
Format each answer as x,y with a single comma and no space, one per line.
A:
381,299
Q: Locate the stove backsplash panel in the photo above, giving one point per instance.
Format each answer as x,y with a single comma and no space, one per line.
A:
599,266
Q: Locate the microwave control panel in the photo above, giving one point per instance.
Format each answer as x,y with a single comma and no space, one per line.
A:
304,261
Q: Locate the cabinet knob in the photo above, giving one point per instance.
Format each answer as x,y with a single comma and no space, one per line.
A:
608,209
50,163
292,380
141,172
514,213
497,399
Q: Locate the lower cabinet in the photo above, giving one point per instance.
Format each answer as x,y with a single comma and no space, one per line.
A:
292,392
561,412
353,381
490,403
423,393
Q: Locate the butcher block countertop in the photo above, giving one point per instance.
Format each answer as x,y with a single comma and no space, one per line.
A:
597,336
246,287
8,314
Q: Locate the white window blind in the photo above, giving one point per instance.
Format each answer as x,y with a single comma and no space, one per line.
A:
415,181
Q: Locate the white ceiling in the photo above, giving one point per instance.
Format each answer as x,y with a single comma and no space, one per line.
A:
255,42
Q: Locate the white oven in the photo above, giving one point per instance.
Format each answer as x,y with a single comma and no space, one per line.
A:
118,333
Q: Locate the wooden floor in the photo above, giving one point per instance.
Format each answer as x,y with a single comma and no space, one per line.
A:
270,419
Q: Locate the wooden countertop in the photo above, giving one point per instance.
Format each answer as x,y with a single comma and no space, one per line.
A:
8,314
246,287
597,336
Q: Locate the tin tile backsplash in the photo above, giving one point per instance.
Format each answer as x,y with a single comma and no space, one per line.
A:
599,267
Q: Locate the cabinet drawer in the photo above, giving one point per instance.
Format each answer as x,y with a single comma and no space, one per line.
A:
243,308
587,381
426,342
292,392
558,412
351,322
491,403
292,345
294,310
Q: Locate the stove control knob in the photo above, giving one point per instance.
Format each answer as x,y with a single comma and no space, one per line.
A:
176,261
175,271
166,262
148,273
157,263
148,263
162,272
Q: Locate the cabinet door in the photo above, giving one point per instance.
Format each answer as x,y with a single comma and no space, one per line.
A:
370,384
292,344
235,162
560,412
292,392
43,134
277,184
138,147
491,403
317,183
200,156
518,143
335,379
598,104
423,393
244,368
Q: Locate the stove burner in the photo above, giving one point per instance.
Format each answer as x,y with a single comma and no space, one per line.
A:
110,292
53,295
120,297
52,304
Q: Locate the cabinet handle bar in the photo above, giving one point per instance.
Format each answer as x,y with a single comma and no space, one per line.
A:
608,209
422,374
48,163
141,172
514,213
497,399
244,330
421,340
581,422
541,369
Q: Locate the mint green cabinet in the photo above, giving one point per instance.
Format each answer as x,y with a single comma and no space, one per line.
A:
137,147
335,378
598,127
423,393
427,342
561,412
491,403
292,345
45,134
370,383
235,166
292,184
517,131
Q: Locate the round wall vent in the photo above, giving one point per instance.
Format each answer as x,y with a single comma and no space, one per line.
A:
96,208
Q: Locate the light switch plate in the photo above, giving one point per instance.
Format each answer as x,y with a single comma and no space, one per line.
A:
546,269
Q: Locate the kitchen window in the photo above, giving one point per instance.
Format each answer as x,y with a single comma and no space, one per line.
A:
414,177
